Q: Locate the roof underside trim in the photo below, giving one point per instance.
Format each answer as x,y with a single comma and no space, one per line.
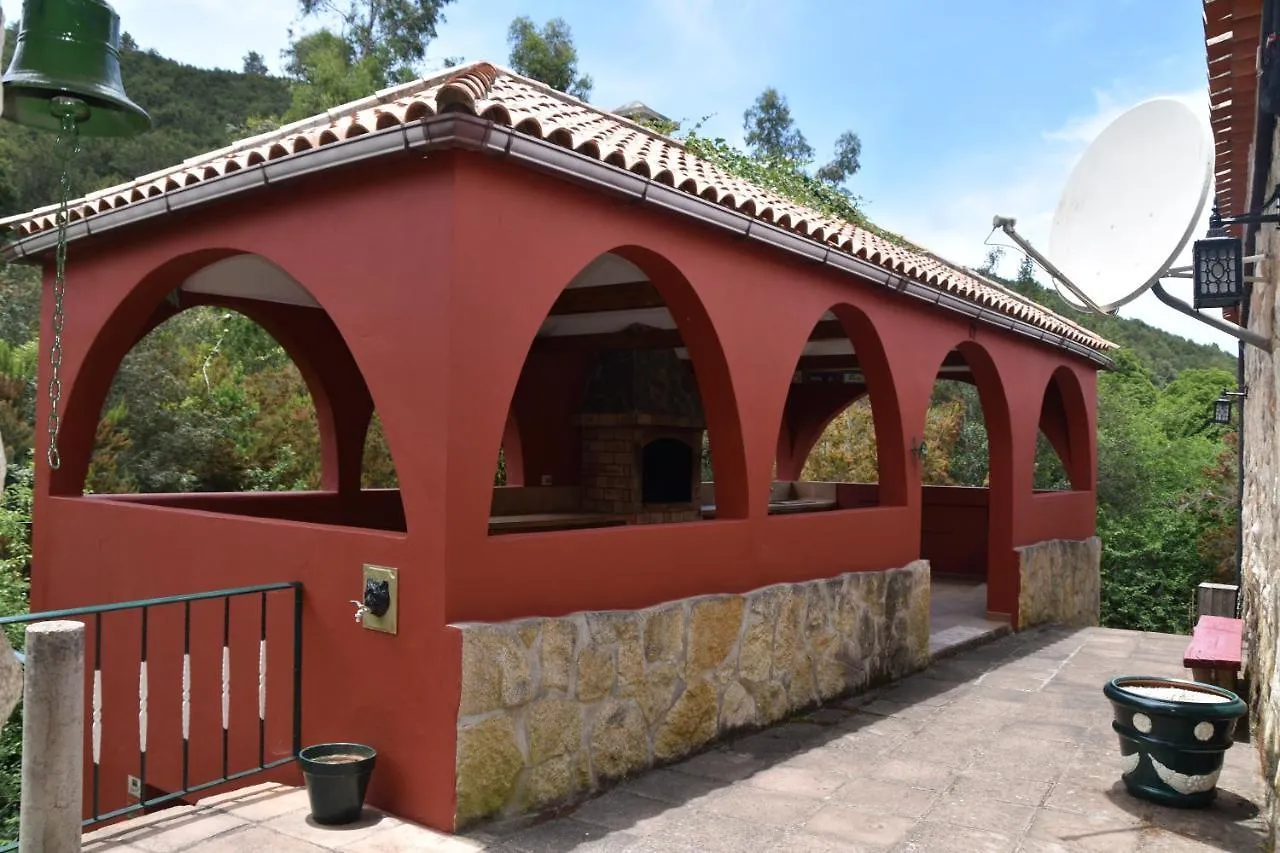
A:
460,131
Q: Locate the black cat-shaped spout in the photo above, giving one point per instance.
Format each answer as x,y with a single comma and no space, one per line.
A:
377,596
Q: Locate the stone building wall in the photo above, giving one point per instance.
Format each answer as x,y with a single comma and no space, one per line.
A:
553,708
1260,511
1060,582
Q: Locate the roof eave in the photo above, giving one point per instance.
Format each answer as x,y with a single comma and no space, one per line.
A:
461,130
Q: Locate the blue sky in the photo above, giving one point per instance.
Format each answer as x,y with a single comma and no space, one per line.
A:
965,109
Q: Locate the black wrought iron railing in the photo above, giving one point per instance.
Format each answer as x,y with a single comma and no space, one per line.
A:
148,611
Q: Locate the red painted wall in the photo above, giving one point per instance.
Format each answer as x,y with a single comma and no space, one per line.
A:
438,310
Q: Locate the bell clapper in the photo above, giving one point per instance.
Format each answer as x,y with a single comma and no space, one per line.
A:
63,105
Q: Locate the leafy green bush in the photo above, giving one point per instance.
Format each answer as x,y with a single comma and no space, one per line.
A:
15,566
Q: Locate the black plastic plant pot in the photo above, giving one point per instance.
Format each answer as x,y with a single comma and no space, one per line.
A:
337,776
1173,736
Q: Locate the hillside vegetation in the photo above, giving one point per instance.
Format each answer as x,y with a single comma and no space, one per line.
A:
1164,354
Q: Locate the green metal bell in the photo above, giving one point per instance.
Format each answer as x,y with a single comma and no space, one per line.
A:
67,58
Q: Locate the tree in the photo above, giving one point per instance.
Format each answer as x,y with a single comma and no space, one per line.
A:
1026,271
394,33
254,63
846,161
771,132
327,71
127,43
547,55
994,255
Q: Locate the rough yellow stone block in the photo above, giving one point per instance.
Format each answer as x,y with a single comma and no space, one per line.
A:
714,626
488,765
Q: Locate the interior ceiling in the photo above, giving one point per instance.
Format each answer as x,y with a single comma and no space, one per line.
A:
611,301
249,277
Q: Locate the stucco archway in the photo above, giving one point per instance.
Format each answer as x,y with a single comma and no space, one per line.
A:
265,293
967,530
626,332
1064,420
842,361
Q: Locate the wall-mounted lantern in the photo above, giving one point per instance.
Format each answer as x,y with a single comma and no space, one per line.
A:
1223,405
1218,271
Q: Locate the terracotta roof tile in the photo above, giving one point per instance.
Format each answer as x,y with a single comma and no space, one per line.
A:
528,107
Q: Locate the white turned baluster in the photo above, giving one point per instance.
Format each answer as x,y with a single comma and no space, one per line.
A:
186,697
142,706
262,679
97,716
226,688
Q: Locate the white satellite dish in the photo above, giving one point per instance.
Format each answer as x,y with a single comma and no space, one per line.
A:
1130,208
1132,203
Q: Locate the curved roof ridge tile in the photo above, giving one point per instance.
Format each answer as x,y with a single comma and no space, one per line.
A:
466,87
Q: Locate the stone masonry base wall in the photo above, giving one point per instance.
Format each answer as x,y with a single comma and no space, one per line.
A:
553,708
1061,582
1260,515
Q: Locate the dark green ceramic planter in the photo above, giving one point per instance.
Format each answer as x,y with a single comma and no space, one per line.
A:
1171,745
337,776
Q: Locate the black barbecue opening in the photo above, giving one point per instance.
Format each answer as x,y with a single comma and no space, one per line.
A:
666,472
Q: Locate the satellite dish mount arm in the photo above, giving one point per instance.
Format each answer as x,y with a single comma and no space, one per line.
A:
1006,224
1249,337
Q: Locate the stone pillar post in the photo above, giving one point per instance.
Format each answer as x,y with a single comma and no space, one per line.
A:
52,738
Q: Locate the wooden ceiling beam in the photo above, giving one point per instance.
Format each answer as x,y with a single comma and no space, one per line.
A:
612,297
650,338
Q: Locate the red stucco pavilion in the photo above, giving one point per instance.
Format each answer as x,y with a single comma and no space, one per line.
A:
456,254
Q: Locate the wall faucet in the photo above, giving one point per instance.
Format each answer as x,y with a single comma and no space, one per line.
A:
361,610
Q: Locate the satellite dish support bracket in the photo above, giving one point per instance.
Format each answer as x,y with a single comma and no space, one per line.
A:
1006,224
1244,219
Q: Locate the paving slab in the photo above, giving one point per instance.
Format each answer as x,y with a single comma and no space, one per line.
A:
1005,747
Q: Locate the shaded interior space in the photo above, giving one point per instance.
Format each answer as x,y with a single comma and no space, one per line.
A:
828,454
606,426
255,442
957,615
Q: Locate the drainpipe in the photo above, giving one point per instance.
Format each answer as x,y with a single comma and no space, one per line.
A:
1240,479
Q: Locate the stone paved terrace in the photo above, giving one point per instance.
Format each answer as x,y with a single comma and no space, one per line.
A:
1005,747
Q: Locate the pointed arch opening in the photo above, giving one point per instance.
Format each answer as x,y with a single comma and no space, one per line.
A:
234,395
608,423
1062,445
840,439
963,475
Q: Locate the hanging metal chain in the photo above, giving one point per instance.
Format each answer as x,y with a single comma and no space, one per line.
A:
68,147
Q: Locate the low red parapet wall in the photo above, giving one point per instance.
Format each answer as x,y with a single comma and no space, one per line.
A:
376,509
954,529
1057,515
635,566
